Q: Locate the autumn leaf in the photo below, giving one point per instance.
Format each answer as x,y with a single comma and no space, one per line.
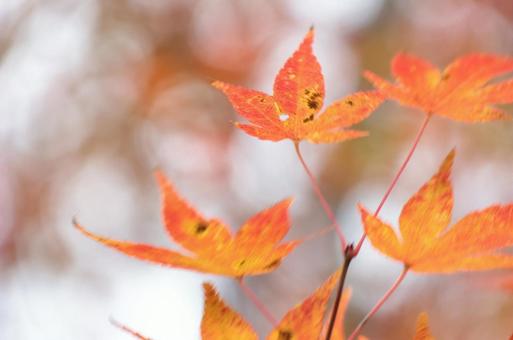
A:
220,321
460,92
422,331
428,245
292,112
303,322
211,247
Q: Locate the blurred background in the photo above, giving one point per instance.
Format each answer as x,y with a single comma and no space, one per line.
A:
94,95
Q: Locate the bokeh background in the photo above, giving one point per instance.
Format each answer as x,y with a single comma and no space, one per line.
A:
94,95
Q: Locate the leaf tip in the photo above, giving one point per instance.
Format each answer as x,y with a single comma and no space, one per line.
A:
446,166
309,37
159,176
78,226
208,288
288,201
84,231
362,209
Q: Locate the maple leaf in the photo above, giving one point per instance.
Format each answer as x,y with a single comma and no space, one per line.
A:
459,92
422,331
292,112
220,321
429,246
211,248
303,322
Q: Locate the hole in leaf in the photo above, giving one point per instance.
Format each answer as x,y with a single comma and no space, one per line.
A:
284,117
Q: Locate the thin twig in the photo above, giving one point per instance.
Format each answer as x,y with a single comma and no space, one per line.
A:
380,303
318,233
420,133
320,196
349,255
256,301
127,329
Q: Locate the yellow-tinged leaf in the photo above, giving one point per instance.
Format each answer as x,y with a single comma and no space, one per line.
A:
304,322
431,207
428,245
293,112
220,322
460,92
255,249
422,331
186,226
381,235
299,86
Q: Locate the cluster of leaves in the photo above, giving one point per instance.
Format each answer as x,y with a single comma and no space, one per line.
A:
426,243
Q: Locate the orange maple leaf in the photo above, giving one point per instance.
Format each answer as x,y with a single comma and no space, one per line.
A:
303,322
429,246
220,321
459,92
292,112
254,249
422,331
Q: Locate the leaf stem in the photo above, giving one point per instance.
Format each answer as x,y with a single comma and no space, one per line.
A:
127,330
348,257
420,133
256,301
321,197
380,303
318,233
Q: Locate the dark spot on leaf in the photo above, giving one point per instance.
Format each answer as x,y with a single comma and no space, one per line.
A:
285,335
201,227
313,104
308,119
349,102
273,264
307,92
241,263
445,76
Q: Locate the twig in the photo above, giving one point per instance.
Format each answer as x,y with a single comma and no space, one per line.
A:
349,255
